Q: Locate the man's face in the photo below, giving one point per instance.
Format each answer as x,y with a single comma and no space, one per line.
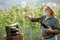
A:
47,11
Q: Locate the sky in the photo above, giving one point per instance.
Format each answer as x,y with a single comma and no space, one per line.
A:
7,3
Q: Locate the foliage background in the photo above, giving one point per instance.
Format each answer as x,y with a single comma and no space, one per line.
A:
30,29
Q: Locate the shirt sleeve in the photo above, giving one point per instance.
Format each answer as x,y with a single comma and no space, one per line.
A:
37,19
56,26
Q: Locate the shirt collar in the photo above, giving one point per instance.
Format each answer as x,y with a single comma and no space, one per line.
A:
50,17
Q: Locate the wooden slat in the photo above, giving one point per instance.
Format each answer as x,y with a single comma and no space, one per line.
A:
16,37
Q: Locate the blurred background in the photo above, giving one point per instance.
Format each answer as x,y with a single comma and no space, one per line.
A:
11,12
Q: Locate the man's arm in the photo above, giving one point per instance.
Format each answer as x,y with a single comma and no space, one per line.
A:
56,26
32,18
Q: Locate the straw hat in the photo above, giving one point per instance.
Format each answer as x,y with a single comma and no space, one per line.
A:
51,5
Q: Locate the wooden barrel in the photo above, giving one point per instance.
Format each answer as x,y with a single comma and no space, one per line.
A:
16,37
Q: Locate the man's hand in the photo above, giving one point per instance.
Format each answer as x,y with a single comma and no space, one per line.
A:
49,30
25,13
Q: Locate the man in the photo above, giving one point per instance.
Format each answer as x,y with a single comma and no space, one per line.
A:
49,19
